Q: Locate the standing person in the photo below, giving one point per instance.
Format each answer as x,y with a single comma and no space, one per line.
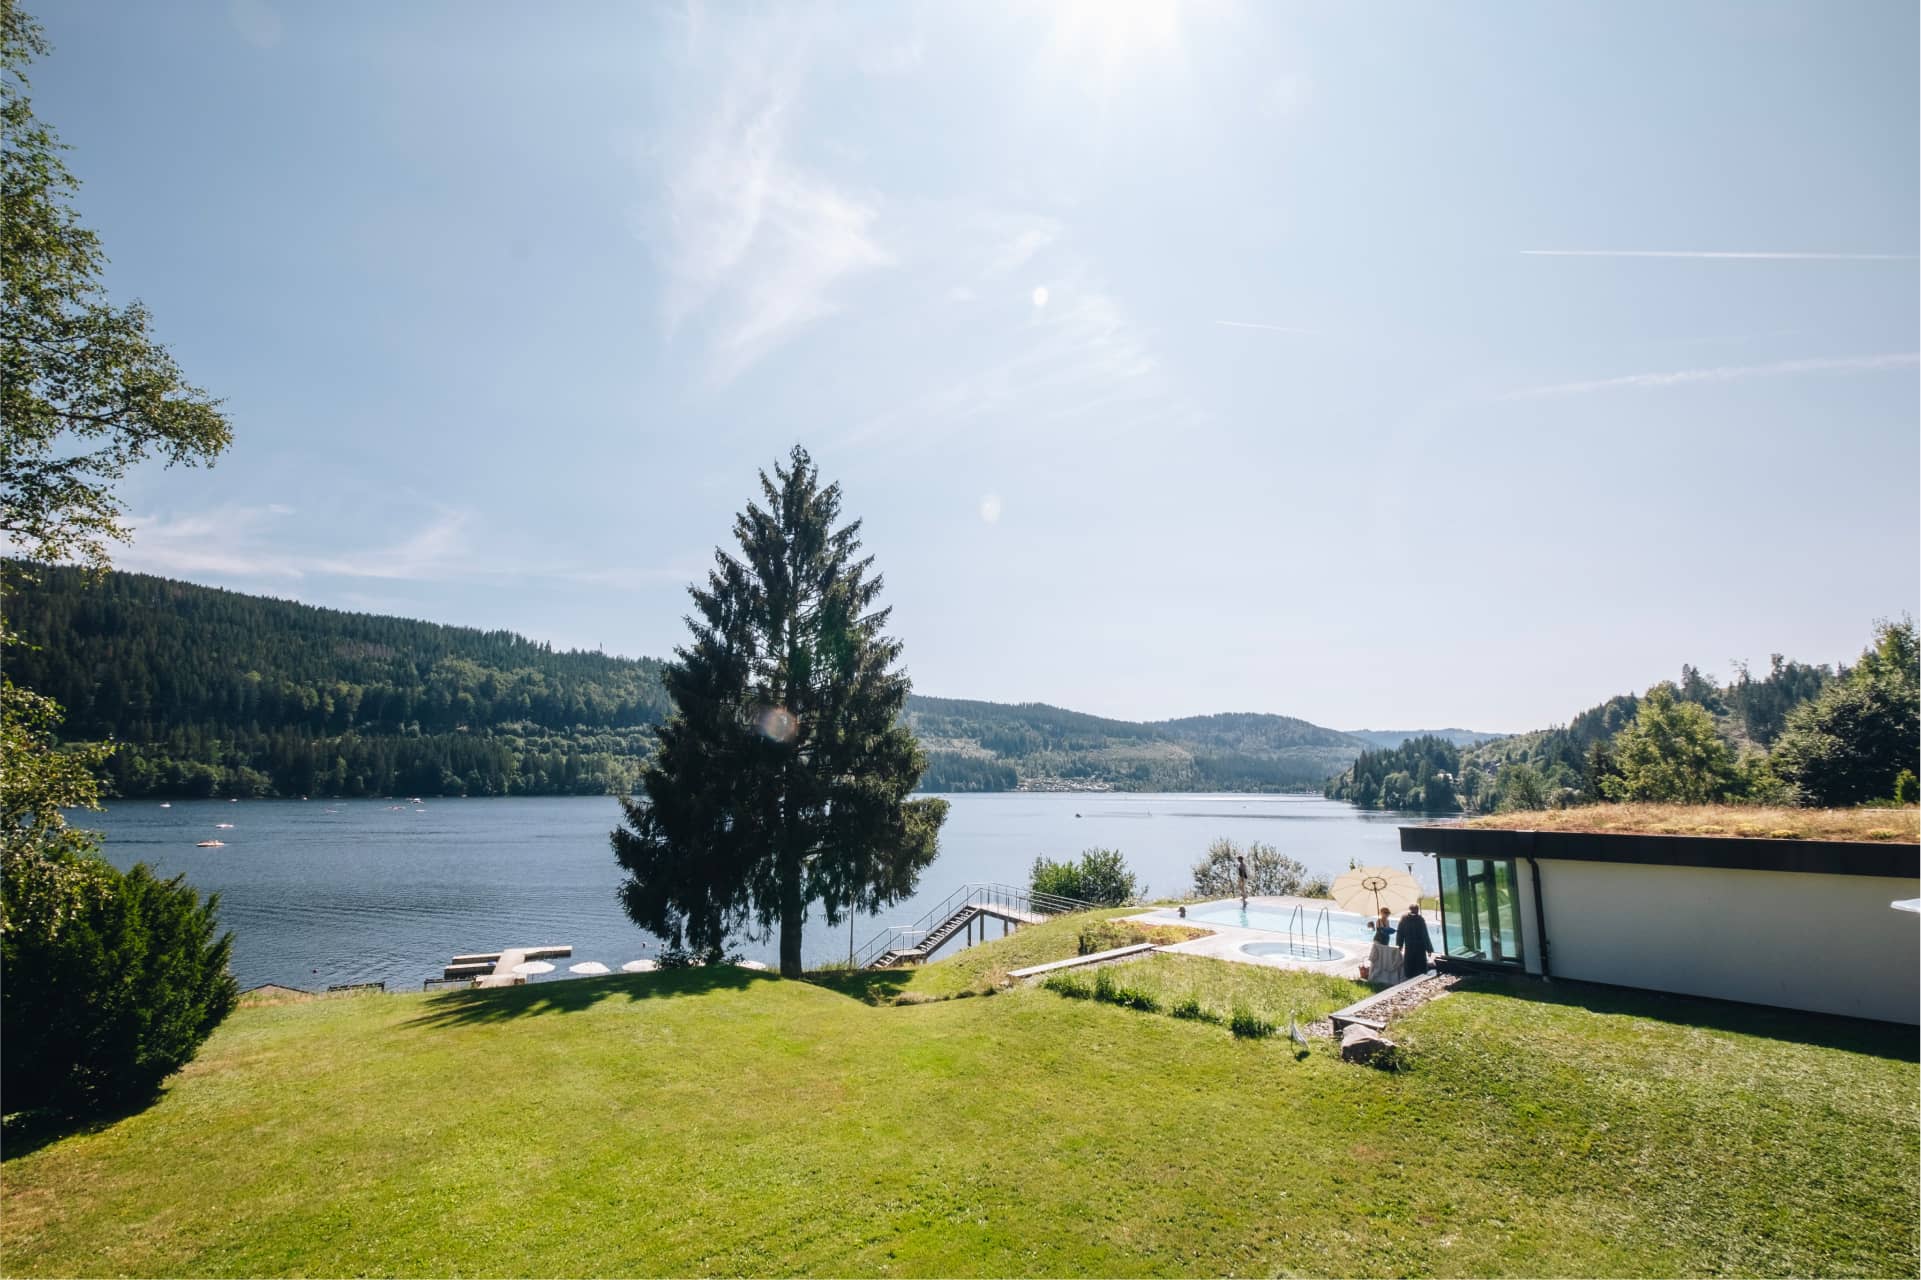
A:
1415,944
1384,962
1240,872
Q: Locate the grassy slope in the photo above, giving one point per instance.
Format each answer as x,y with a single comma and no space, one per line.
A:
729,1122
1885,825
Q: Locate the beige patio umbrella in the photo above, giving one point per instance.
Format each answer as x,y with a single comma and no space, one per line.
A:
639,966
1367,889
589,968
530,968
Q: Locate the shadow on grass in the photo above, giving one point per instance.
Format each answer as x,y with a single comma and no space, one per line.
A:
1829,1031
572,995
25,1132
874,986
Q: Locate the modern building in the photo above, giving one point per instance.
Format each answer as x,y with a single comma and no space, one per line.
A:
1797,924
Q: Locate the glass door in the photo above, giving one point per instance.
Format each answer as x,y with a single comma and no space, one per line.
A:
1480,910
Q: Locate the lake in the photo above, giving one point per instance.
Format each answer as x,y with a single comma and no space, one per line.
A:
335,891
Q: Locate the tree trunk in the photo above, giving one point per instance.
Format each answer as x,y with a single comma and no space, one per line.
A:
792,908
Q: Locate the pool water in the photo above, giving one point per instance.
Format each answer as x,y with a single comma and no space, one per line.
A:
1291,951
1341,925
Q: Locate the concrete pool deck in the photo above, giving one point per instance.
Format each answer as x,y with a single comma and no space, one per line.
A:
1226,940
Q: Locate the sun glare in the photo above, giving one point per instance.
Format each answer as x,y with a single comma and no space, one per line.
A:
1111,35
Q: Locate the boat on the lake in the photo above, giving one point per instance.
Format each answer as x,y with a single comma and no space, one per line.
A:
210,844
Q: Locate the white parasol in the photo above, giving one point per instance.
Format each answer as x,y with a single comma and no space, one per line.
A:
588,968
639,966
753,964
1367,889
528,968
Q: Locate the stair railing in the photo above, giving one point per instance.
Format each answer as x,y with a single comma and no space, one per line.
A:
981,894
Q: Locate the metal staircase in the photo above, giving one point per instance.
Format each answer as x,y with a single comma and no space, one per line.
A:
970,904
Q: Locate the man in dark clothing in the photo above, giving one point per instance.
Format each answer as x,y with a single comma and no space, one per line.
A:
1240,873
1415,944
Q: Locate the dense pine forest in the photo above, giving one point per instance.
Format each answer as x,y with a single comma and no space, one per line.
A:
212,692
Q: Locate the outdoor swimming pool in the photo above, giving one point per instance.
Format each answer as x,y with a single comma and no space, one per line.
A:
1342,926
1292,950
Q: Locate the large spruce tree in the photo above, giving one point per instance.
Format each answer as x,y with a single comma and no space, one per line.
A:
782,777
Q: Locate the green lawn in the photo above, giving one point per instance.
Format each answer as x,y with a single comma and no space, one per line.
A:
729,1122
1219,988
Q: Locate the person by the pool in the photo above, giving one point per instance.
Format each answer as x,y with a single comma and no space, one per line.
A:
1240,871
1383,929
1415,943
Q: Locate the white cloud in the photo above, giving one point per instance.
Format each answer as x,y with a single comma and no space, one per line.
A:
754,244
251,543
991,509
1039,296
1717,253
1724,373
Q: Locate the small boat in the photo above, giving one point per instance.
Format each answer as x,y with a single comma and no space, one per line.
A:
210,844
165,805
223,826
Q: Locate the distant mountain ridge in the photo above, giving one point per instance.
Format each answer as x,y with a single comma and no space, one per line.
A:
1395,737
216,692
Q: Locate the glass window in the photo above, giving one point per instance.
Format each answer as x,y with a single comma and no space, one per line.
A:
1480,910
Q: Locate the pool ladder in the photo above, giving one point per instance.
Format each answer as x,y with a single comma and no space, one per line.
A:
1323,933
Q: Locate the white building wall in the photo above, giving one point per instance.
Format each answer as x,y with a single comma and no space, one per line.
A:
1826,943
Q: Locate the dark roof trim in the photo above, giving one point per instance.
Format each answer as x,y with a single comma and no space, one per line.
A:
1730,853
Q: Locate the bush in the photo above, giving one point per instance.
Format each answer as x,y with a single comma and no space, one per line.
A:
672,957
1072,987
1907,788
1269,872
113,981
1105,988
1189,1007
1136,998
1249,1025
1100,877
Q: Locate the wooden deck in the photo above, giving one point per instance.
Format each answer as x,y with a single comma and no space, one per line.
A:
496,968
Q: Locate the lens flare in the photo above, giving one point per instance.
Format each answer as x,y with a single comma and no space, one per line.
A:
777,724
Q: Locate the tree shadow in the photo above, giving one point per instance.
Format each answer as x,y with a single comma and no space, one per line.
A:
1825,1030
25,1132
872,986
469,1006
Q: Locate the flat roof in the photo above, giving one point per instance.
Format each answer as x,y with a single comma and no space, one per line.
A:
1729,853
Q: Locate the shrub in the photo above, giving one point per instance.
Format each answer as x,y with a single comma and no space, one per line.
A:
1067,985
1249,1025
1136,998
672,957
1105,988
1907,788
1269,872
1189,1007
1100,877
113,981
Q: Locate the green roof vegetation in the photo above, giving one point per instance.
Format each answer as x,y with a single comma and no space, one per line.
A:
720,1121
1882,825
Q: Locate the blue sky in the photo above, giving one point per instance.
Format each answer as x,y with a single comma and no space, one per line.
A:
1385,365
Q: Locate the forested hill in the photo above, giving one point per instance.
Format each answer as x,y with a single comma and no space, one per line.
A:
213,692
988,746
216,692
